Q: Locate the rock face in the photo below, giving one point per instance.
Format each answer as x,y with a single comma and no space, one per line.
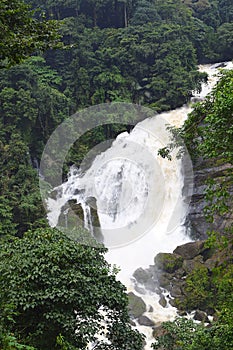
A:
203,170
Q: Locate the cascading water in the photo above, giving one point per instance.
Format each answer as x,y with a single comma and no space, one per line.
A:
139,199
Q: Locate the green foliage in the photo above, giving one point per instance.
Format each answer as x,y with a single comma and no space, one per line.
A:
8,340
168,262
58,287
183,334
208,133
21,34
31,103
198,289
217,197
21,206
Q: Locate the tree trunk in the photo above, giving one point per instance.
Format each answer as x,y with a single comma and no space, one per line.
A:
125,15
94,17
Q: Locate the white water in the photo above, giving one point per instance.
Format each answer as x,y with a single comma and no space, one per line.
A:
139,199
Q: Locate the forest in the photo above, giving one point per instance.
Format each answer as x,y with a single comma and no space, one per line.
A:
58,57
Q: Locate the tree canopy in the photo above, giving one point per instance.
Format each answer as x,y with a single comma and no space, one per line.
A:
21,34
58,288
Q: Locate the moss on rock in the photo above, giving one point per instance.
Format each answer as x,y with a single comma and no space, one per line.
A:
168,262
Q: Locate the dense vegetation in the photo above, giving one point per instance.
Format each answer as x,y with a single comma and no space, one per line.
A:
141,51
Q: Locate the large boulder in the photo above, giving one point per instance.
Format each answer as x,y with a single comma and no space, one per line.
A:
164,280
163,301
146,278
145,321
137,306
168,262
159,331
190,250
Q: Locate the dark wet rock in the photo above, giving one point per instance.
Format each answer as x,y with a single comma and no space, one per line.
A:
163,301
136,305
182,313
141,275
145,321
159,331
190,250
146,278
150,309
132,323
173,302
140,289
190,265
201,316
176,291
180,273
168,262
164,280
179,303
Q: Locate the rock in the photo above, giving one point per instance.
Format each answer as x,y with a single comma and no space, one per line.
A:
211,263
190,265
182,313
146,278
168,262
142,275
140,289
173,302
159,331
150,309
136,305
91,201
190,250
176,291
180,273
179,303
163,301
207,168
201,316
132,323
164,280
145,321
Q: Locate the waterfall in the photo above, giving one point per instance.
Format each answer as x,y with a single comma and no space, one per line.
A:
140,198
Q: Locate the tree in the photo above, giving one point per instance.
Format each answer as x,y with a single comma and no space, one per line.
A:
225,41
60,288
144,12
21,34
211,121
183,334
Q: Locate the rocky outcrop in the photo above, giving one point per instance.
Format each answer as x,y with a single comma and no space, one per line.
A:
217,170
168,262
170,271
